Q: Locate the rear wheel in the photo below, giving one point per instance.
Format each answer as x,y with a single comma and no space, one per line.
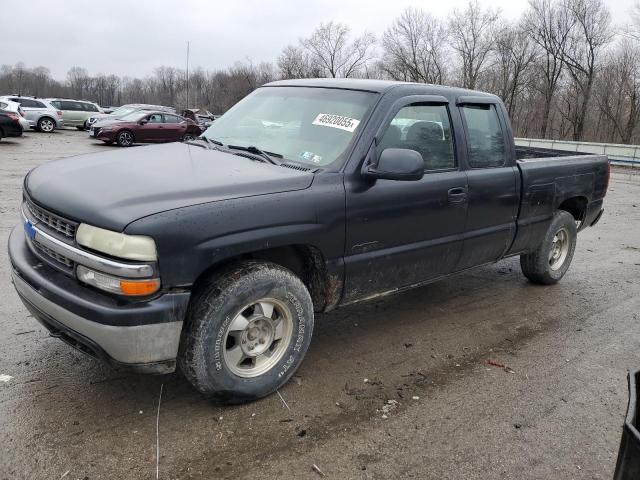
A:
188,137
46,125
247,331
124,138
550,261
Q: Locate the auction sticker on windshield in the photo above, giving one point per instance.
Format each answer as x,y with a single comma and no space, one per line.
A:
336,121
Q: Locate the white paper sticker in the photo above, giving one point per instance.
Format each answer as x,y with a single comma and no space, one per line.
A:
336,121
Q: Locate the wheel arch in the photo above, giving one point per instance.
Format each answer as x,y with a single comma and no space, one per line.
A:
304,260
576,206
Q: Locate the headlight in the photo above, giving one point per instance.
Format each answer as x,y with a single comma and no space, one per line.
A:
131,247
121,286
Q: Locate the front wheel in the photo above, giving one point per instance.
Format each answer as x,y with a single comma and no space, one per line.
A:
550,261
124,138
187,137
247,331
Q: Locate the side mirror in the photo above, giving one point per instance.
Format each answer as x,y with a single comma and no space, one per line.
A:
397,164
144,121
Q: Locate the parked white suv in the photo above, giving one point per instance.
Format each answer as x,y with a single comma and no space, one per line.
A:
75,112
10,106
40,114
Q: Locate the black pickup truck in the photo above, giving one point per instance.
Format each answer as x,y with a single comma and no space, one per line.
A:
213,255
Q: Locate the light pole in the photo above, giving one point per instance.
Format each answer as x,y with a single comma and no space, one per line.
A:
187,106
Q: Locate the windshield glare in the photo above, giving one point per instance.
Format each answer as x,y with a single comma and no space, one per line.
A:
133,116
308,125
122,111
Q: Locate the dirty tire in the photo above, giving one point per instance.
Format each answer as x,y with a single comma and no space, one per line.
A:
537,265
212,312
124,138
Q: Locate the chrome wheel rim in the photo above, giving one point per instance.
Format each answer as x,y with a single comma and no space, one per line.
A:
186,138
46,125
125,138
559,249
257,337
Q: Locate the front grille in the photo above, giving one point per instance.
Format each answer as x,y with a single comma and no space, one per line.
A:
52,221
58,259
95,131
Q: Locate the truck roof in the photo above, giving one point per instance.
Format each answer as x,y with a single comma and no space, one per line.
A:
378,86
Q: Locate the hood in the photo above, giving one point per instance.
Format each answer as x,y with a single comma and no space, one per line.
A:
112,189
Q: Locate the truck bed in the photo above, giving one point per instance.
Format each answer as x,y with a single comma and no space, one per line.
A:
525,153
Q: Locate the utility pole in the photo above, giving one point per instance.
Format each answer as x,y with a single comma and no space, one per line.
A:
187,106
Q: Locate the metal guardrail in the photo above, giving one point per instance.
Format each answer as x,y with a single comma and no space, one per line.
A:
617,153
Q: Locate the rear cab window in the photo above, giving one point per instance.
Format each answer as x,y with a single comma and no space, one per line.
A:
485,137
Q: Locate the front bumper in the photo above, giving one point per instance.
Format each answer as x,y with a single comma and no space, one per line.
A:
142,335
105,135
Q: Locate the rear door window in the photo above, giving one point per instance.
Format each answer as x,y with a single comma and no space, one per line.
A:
485,139
171,119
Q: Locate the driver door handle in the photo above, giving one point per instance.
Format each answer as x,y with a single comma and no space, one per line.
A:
457,195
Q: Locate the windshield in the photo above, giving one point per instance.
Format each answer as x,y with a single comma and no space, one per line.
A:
309,125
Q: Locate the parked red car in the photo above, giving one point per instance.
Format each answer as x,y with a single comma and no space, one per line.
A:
145,127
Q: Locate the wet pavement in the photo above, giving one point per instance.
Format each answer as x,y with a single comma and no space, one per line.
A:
410,386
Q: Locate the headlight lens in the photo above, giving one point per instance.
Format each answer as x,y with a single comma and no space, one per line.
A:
131,247
121,286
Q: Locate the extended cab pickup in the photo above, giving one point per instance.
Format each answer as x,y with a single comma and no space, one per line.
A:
213,254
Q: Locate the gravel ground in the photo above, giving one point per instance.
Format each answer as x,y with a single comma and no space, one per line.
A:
396,388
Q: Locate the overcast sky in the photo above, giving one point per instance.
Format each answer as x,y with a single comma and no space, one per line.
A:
131,37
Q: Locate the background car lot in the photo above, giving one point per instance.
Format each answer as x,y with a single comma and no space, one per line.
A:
558,415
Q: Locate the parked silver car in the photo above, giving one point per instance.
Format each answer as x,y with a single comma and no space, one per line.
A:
40,114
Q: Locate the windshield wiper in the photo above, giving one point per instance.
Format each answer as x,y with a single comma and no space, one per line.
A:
211,144
256,151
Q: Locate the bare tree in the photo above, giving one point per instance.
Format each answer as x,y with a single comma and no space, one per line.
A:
79,82
296,62
549,26
330,46
515,54
618,92
414,48
590,34
471,37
